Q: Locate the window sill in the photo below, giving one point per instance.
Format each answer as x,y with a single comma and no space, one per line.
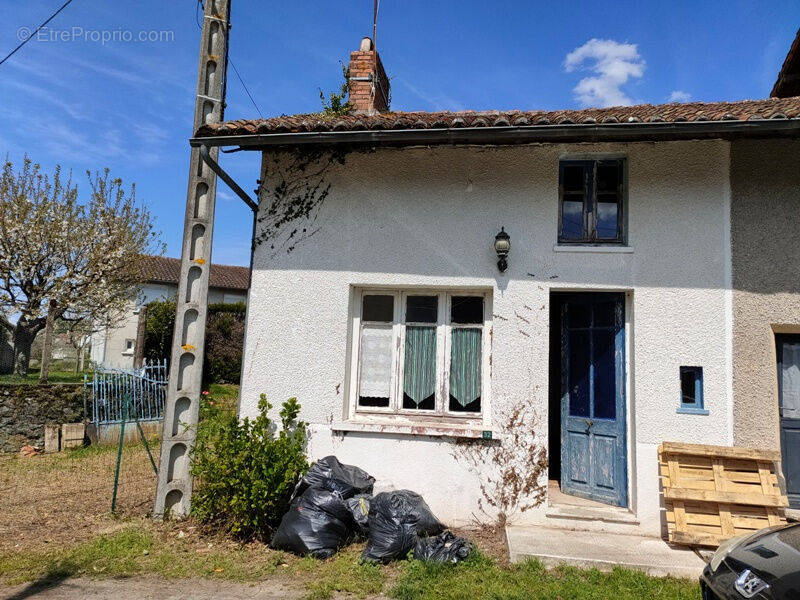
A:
689,410
420,429
593,249
127,353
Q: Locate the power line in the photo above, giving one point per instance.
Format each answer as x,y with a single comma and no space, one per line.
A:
235,70
38,29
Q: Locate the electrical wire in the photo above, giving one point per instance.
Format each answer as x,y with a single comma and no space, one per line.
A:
198,6
246,91
38,29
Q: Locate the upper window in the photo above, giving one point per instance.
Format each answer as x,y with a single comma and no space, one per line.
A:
421,353
591,202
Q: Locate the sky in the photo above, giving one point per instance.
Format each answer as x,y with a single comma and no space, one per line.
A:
87,94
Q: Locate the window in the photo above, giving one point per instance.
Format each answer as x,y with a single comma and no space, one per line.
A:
591,204
129,345
421,353
692,390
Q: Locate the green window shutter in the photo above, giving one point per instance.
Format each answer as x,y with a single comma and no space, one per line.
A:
419,377
465,365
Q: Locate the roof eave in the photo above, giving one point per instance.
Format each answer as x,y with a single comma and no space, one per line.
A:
567,132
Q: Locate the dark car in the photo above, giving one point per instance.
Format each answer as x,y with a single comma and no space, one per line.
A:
764,565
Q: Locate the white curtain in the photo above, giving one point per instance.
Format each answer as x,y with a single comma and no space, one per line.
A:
790,383
376,361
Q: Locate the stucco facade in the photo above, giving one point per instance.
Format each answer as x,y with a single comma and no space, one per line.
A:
115,347
765,221
425,218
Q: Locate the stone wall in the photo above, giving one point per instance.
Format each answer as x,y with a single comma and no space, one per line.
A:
26,409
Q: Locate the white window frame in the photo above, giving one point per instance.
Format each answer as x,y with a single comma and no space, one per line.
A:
441,412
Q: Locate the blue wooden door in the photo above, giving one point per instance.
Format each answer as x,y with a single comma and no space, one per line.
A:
593,455
788,352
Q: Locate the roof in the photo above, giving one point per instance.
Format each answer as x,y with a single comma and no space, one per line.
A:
622,117
163,269
788,82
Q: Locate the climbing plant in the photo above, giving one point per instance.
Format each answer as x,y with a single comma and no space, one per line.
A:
336,104
293,188
512,471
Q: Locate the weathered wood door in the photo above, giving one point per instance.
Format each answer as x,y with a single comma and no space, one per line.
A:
788,353
593,455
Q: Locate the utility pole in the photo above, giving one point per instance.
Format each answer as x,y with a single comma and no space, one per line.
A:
174,489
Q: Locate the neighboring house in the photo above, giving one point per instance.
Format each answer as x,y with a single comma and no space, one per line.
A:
651,277
116,347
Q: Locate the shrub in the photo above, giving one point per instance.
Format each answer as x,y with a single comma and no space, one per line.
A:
224,338
224,343
246,469
158,329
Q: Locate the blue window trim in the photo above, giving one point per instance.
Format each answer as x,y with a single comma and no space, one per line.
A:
696,407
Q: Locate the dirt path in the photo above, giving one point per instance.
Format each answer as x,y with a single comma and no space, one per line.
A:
65,498
149,588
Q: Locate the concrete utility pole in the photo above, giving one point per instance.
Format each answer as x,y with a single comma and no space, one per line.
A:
174,490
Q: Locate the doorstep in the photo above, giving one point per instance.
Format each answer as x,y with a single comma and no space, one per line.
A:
608,514
602,550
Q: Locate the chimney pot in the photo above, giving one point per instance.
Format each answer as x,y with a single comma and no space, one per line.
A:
368,86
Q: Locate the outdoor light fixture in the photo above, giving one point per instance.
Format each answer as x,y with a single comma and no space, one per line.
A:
502,244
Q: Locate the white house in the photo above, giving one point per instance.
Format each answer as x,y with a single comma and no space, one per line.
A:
639,282
116,346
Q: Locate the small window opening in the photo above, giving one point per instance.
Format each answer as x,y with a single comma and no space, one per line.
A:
691,388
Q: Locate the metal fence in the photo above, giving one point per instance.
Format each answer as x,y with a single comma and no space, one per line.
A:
112,394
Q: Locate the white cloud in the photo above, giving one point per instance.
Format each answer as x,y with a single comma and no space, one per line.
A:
679,96
613,62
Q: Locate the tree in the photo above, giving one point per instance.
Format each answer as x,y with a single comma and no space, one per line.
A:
80,258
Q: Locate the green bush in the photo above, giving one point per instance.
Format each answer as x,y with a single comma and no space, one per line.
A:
159,325
246,469
224,338
224,343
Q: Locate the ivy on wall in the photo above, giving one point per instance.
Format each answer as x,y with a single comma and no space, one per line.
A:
293,189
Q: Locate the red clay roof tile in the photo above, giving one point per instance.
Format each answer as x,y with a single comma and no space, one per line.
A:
743,110
163,269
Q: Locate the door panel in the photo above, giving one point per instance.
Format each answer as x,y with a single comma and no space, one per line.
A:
604,461
578,460
788,353
593,455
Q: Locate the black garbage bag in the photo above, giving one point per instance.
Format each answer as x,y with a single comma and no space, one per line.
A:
329,474
317,523
396,520
359,509
442,548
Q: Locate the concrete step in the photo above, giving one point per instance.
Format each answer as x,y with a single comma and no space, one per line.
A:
602,550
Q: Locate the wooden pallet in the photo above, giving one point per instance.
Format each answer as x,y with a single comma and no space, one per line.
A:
712,493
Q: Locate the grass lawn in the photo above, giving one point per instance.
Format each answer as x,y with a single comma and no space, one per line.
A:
226,394
53,377
139,549
56,523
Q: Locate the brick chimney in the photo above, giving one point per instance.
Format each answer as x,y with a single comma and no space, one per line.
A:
368,86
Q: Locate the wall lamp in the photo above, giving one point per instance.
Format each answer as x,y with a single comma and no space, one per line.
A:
502,245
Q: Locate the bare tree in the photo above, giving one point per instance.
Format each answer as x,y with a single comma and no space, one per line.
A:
80,258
